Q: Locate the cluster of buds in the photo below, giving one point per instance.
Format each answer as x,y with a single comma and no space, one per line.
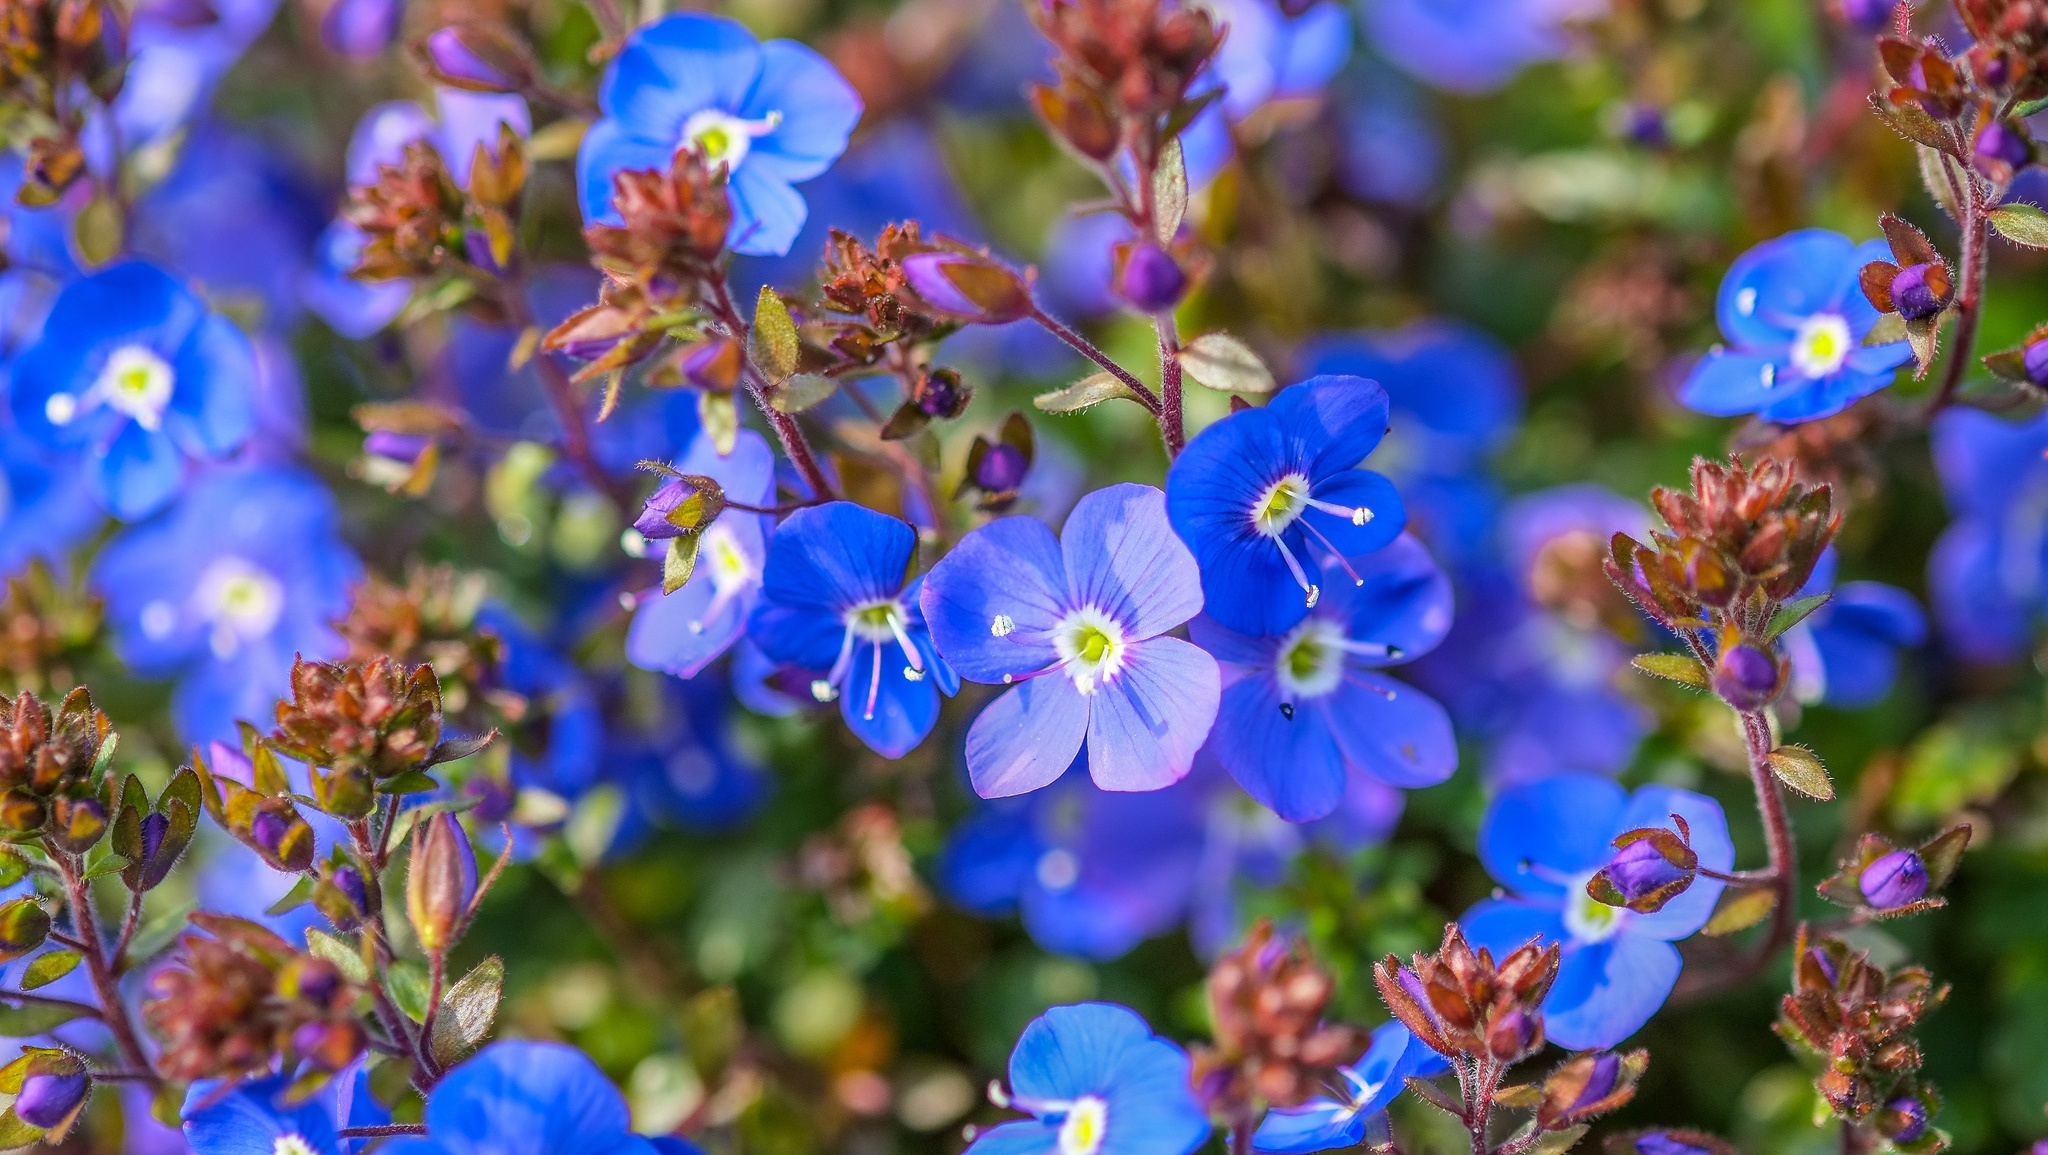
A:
1886,881
1859,1019
419,222
1461,1003
1913,289
49,50
996,469
1958,105
50,1086
430,619
872,286
45,626
232,1003
53,770
1650,867
1741,543
1567,576
2026,362
1266,1005
864,871
2008,55
248,794
1124,71
364,728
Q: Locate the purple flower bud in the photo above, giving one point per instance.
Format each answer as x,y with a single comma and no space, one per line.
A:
1510,1036
1600,1084
349,881
967,286
1996,141
477,246
359,29
228,762
1893,881
1644,124
1869,15
1920,291
653,522
269,829
2035,359
1905,1119
154,828
1746,677
1638,869
1001,469
940,394
46,1099
440,881
396,446
713,366
1663,1143
456,61
1149,278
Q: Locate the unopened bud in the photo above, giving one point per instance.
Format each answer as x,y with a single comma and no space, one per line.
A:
1148,277
1600,1082
680,505
155,827
1513,1035
1997,144
80,823
24,924
1904,1119
1895,880
1921,291
967,287
21,811
440,881
48,1099
477,58
940,394
1001,469
359,29
1641,870
1746,677
2034,359
282,837
714,366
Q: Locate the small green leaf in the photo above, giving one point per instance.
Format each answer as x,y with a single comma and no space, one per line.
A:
338,951
1890,328
1559,1142
13,868
593,823
1678,668
1802,770
1169,192
1936,179
1224,363
406,979
1740,910
49,967
34,1018
1792,613
680,561
773,342
468,1011
1086,393
558,141
17,1132
97,231
107,864
2021,223
300,893
158,933
410,782
720,419
801,392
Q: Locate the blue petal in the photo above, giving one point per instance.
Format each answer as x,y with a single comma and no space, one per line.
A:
1605,992
1724,384
1357,489
834,556
1230,647
1865,626
527,1098
1336,420
989,858
677,66
1825,397
1122,558
250,1119
1289,765
1010,567
1314,46
1414,362
1392,731
818,108
1318,1126
767,214
746,474
608,149
1021,1137
1986,461
1502,925
1026,738
1782,282
1654,805
904,711
1145,725
136,475
213,403
1405,603
380,138
675,633
1211,491
469,119
1563,825
1075,1050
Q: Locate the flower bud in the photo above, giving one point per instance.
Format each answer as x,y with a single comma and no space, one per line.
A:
24,924
440,881
1640,870
48,1099
1921,291
359,29
1746,677
80,822
967,286
2034,358
713,366
477,58
1513,1035
21,811
940,394
1001,469
1897,879
680,505
1904,1119
1998,145
1665,1143
155,828
1148,277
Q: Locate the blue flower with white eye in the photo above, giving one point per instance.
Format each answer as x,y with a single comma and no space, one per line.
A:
1846,653
526,1098
1988,575
773,114
1795,317
135,369
682,632
1251,492
255,1118
1543,840
1371,1083
1304,711
244,572
835,597
1098,1082
1075,627
1267,56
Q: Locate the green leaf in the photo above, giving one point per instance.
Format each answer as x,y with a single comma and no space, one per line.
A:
1792,613
1936,180
801,392
680,561
1224,363
338,951
558,141
720,419
590,828
49,967
1680,668
2021,223
1086,393
105,757
300,894
1558,1142
1740,910
16,1132
773,342
159,932
468,1011
13,868
406,979
34,1018
1890,328
108,864
410,782
97,230
1801,769
1169,192
1910,121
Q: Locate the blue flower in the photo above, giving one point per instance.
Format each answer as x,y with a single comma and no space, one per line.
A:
246,571
1986,574
1795,317
835,597
1393,152
254,1118
1267,56
1251,491
1302,713
177,55
1470,45
684,765
133,367
774,114
525,1098
1846,653
558,745
1098,1082
43,509
1371,1083
683,632
1543,840
1074,625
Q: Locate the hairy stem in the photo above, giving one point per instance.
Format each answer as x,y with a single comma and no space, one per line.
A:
1086,348
1969,297
85,924
795,445
1784,860
1172,422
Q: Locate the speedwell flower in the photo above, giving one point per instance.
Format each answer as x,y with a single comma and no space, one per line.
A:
1073,625
1252,491
1098,1082
773,114
1371,1083
1846,653
685,631
525,1098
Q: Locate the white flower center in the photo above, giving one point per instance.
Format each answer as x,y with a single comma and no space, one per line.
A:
1091,647
879,623
241,601
1085,1127
136,382
1821,345
1281,504
728,568
1587,920
1058,869
722,138
1310,660
291,1145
